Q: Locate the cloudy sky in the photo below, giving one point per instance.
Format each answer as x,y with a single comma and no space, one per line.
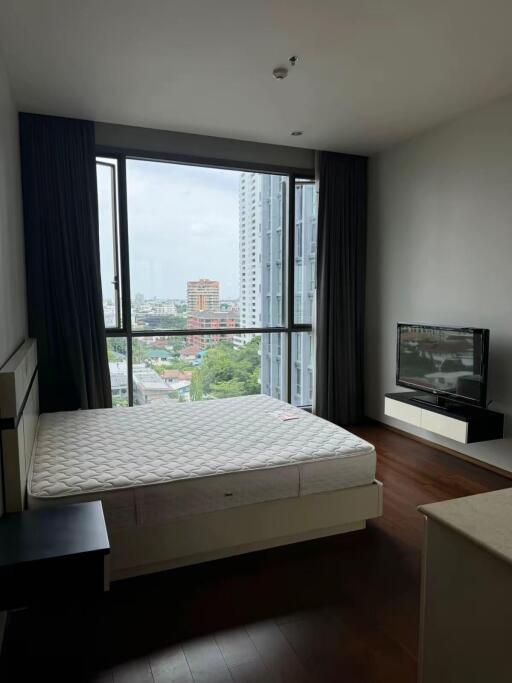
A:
183,225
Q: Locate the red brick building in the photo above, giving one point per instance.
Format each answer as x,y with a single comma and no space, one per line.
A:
210,320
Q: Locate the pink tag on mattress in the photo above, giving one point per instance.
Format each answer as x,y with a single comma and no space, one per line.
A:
287,416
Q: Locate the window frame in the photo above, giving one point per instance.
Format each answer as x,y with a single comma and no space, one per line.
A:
112,164
289,326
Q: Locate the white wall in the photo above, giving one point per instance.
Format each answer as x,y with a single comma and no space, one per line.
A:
440,251
12,263
13,312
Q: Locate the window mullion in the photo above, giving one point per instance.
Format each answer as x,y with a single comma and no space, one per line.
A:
290,289
115,241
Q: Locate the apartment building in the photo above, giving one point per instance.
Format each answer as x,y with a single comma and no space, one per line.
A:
202,295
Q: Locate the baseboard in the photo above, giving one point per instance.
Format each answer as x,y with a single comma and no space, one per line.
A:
444,449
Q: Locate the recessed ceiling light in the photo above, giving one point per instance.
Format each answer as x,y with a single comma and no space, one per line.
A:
280,73
296,133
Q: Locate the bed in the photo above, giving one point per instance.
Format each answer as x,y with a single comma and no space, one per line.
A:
186,482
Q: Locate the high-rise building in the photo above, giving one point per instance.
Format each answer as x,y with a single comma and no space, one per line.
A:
262,223
249,249
202,295
262,202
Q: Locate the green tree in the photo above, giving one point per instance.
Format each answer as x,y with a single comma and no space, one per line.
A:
116,349
196,386
139,351
228,371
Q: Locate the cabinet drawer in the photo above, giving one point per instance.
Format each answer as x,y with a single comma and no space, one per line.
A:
402,411
444,426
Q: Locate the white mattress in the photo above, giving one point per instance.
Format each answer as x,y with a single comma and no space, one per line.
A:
165,460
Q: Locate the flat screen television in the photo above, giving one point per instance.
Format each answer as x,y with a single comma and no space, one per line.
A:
448,362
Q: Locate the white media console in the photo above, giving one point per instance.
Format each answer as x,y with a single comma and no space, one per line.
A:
465,424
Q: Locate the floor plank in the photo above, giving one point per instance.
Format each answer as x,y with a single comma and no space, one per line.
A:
276,652
133,671
253,671
236,647
102,677
170,666
206,661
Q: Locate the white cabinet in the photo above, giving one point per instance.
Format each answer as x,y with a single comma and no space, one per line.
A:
444,425
456,421
403,411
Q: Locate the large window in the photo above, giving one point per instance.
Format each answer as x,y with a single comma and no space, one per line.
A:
206,276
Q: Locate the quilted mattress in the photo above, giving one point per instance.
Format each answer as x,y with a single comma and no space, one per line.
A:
150,464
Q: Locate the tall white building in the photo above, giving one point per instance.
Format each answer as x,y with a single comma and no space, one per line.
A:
249,250
262,224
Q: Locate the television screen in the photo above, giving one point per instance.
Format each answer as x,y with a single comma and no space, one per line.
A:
443,360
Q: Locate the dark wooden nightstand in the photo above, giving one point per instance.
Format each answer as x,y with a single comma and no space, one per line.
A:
52,554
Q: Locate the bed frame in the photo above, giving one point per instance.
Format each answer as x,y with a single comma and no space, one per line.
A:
184,541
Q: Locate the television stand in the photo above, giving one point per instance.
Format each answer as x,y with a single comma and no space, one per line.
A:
456,421
432,400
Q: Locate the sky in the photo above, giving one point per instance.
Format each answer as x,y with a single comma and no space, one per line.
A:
182,224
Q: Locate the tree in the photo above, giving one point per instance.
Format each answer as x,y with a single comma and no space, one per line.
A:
196,386
227,371
116,349
139,351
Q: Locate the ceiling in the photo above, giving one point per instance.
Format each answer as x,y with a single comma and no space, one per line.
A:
371,72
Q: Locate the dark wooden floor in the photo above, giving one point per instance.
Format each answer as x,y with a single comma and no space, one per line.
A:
342,609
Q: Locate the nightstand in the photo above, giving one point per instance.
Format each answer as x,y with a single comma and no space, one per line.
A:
52,554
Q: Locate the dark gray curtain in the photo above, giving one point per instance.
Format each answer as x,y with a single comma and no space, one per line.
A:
341,261
63,262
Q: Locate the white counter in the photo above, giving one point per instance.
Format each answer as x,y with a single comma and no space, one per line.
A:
466,600
485,519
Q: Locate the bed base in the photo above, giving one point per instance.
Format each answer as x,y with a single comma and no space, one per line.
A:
211,536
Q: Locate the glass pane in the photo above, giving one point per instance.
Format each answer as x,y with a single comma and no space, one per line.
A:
196,367
105,174
273,365
302,368
206,246
305,250
116,347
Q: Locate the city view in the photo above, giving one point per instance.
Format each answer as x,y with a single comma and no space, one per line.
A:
247,294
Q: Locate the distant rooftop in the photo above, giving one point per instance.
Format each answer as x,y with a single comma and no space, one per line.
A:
188,351
159,353
177,374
